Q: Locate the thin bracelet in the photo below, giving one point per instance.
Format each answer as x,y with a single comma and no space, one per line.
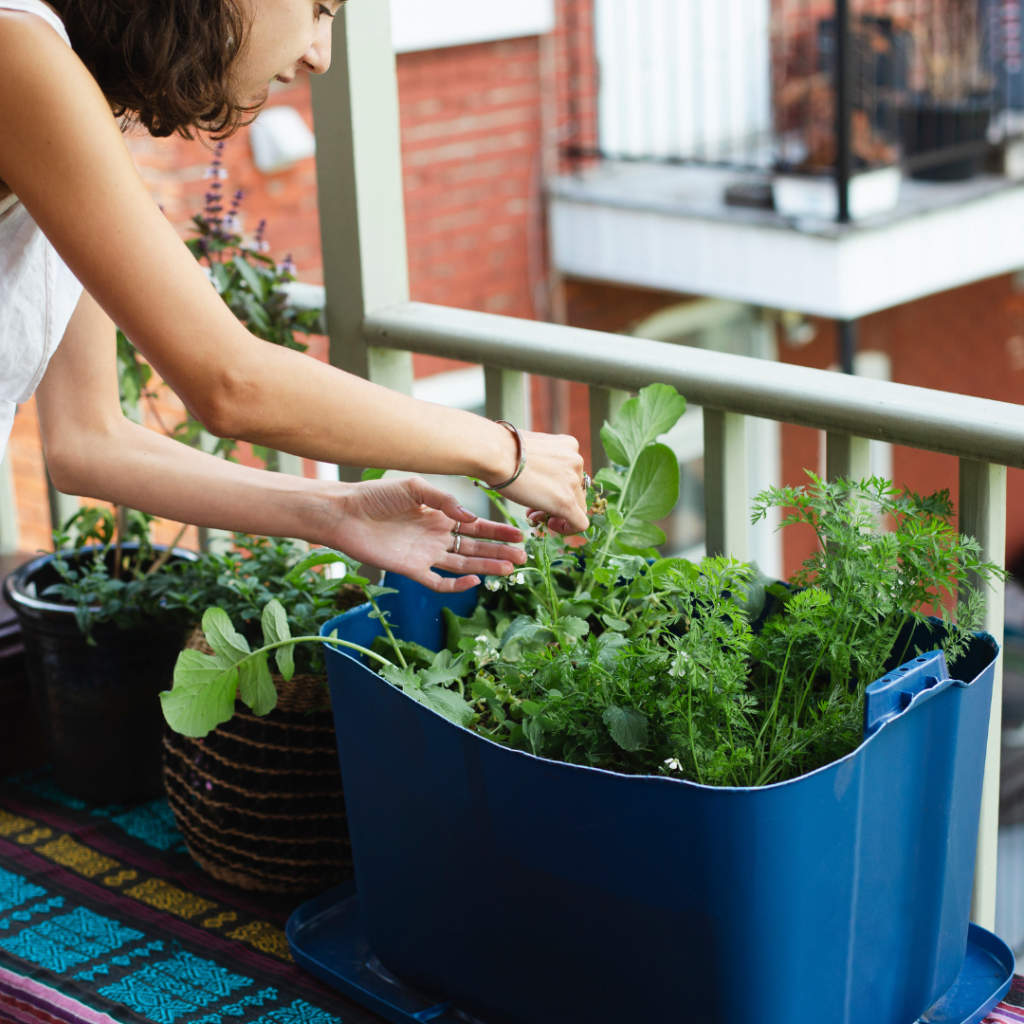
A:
520,451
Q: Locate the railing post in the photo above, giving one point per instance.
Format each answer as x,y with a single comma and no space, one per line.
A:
359,173
847,457
983,516
726,503
506,396
10,535
604,408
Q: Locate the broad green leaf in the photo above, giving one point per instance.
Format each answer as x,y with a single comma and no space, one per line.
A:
574,627
404,678
447,703
627,726
444,669
255,686
373,474
641,421
531,707
276,629
535,735
615,517
196,709
618,625
614,447
653,488
221,635
257,283
481,689
312,561
523,628
375,591
458,629
193,668
610,479
414,654
637,534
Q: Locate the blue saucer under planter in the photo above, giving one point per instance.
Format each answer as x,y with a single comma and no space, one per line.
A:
529,891
326,938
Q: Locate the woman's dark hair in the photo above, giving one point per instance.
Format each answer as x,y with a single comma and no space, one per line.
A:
163,63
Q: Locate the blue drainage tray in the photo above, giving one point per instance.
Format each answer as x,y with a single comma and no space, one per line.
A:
326,938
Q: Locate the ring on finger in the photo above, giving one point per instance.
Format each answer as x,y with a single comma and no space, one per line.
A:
456,529
587,481
458,544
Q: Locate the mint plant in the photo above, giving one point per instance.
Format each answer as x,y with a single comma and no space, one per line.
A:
599,652
110,570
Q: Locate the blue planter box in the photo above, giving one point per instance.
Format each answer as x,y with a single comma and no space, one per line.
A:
537,892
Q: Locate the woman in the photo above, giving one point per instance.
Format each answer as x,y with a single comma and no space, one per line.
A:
73,209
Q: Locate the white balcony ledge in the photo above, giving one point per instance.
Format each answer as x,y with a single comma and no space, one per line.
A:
670,228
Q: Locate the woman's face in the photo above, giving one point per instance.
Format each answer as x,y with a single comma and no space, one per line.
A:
283,37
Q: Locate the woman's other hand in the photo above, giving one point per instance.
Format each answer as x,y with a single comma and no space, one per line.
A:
406,526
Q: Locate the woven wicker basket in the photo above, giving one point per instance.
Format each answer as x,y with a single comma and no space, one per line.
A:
259,801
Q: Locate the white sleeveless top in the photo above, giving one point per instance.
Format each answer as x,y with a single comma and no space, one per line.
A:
38,293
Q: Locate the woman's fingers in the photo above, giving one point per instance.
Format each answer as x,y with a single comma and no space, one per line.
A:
503,554
434,497
489,530
476,566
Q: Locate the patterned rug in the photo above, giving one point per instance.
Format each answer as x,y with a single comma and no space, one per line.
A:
104,919
102,908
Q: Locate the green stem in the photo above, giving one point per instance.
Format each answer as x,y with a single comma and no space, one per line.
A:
310,640
382,619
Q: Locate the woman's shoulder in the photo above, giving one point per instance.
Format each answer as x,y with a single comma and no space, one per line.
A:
39,9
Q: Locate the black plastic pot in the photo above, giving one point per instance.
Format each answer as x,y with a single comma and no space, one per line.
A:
945,142
97,704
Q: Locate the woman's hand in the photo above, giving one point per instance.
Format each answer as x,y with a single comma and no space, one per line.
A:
552,483
406,526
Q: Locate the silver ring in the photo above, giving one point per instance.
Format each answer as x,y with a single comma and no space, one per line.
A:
587,481
458,544
455,531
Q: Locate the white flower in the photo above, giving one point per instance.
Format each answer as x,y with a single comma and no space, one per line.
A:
673,764
493,585
519,577
481,639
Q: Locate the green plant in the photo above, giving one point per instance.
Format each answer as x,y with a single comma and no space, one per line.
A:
604,654
251,284
106,580
258,571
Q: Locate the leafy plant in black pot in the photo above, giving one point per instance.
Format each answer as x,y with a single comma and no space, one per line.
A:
100,644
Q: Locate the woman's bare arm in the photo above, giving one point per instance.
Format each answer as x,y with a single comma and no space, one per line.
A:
92,449
62,153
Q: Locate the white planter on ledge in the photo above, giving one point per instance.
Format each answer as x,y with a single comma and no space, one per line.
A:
871,193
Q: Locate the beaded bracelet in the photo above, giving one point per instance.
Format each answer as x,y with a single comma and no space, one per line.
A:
520,451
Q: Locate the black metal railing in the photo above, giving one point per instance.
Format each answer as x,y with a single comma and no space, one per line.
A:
809,87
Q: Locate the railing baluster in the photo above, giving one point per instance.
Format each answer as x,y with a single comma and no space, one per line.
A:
604,407
725,483
10,535
847,457
506,396
983,516
362,215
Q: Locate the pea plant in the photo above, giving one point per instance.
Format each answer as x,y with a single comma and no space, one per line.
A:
600,652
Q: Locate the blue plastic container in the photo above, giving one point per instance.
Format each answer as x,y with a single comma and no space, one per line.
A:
536,892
